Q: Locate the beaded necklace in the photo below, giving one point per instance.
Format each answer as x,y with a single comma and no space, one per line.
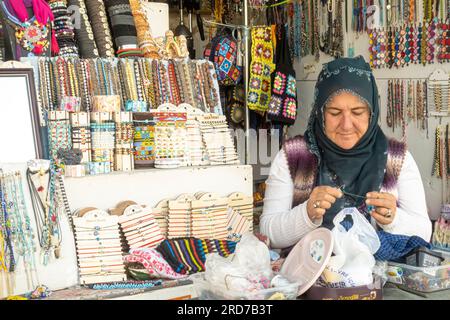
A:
305,48
174,90
326,18
73,83
60,67
198,87
142,76
148,83
164,81
131,80
137,76
297,20
315,46
436,171
104,80
189,94
47,222
106,65
8,259
82,74
25,233
123,84
43,85
337,46
114,72
179,80
156,83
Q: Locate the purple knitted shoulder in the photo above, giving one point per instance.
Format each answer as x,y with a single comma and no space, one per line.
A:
303,166
396,156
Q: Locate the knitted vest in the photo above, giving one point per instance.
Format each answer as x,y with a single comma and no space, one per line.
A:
303,167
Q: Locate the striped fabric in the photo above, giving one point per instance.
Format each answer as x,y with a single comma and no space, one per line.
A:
188,255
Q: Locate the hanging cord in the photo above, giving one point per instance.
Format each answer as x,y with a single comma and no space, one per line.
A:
67,210
38,208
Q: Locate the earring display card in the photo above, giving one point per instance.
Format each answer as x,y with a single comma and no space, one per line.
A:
170,139
196,154
237,225
59,132
180,217
144,139
103,138
218,140
209,217
81,134
140,227
99,247
243,205
124,160
161,213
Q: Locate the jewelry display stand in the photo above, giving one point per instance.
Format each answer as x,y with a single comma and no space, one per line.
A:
438,93
99,247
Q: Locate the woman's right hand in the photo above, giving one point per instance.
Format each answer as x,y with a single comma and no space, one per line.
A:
321,199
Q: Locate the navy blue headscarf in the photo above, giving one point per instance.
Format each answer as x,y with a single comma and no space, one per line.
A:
361,168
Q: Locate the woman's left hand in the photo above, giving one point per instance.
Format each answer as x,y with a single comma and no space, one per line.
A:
385,206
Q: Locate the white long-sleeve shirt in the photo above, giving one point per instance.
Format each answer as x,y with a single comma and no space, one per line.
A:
285,225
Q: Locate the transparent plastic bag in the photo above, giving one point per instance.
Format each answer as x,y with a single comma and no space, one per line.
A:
247,269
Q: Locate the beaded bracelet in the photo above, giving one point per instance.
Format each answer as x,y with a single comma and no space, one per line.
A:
126,285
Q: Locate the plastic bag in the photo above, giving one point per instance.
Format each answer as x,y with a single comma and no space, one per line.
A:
353,261
247,269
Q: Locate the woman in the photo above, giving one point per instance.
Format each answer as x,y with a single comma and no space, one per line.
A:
344,160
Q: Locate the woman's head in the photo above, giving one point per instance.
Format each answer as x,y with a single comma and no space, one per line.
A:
346,108
346,119
343,131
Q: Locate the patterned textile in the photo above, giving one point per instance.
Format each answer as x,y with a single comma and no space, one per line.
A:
188,255
261,68
283,102
393,246
153,262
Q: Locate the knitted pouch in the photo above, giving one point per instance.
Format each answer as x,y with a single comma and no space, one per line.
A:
283,101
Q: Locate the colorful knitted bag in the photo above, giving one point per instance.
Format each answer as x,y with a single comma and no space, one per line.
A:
261,69
283,101
223,53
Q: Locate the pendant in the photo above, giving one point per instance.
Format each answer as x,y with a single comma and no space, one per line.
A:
33,37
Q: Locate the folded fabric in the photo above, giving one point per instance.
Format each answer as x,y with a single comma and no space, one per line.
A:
393,246
153,262
188,255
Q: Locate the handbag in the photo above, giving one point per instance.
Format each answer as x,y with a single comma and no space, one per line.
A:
223,53
283,101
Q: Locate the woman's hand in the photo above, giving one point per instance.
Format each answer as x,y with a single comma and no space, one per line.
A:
385,206
321,199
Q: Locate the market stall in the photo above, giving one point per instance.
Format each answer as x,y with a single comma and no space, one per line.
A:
265,150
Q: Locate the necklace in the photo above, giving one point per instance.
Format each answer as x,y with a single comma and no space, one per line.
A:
7,260
32,35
